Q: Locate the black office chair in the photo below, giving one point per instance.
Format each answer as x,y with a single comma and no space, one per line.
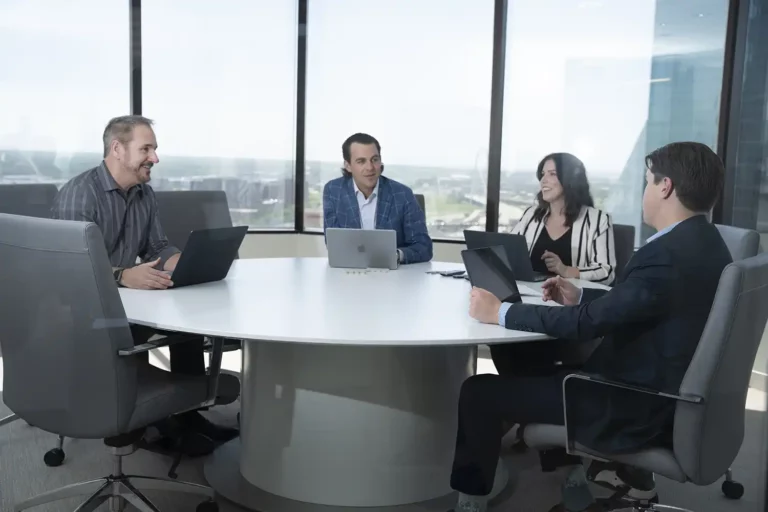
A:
30,200
624,243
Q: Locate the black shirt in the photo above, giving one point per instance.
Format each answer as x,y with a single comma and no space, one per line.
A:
561,247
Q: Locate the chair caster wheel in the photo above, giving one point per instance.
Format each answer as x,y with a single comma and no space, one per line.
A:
732,490
54,457
207,506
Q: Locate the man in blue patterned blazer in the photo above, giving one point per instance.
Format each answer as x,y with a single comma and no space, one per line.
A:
364,199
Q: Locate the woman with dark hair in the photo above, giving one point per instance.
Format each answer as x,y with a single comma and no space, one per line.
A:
566,236
569,237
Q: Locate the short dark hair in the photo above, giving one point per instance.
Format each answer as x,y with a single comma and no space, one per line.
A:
121,128
573,177
357,138
696,173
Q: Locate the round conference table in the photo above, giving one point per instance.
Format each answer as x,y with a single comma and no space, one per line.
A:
350,378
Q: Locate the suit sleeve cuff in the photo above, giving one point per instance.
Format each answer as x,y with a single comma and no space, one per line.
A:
503,313
581,294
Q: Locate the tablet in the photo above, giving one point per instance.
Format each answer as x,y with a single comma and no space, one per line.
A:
487,268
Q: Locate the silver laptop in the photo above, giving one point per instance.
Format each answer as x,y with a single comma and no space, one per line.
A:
361,248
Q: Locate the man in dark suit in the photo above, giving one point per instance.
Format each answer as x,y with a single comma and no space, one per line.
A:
364,199
650,322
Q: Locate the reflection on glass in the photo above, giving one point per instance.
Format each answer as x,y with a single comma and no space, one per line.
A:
415,75
64,78
219,81
608,82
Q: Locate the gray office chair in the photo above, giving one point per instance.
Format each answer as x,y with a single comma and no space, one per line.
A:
709,418
624,243
420,200
32,200
70,364
184,211
742,243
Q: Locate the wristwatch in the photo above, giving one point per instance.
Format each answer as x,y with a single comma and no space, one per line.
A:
118,274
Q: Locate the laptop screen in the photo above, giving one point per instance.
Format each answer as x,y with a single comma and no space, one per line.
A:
487,269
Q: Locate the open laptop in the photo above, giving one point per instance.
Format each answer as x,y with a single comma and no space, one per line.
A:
516,248
487,268
361,248
208,255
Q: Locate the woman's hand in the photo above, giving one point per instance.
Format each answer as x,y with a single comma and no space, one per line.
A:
556,266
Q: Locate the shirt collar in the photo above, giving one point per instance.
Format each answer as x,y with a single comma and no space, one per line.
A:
374,194
108,183
661,233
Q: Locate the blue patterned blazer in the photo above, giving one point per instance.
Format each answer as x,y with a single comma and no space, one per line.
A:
396,208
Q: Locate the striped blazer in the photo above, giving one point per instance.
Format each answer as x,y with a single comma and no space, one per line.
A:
592,244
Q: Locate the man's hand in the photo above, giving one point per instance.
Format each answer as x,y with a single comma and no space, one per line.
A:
561,291
484,306
170,263
146,277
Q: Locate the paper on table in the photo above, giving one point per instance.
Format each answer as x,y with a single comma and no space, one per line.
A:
524,290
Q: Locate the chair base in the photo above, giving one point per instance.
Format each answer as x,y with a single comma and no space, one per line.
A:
119,489
652,507
8,419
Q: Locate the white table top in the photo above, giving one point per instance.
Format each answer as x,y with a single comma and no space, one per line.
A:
303,300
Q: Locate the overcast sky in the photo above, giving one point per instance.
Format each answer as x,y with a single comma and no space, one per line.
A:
219,77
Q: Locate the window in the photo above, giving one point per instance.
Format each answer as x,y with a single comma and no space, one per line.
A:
415,75
66,76
608,82
219,82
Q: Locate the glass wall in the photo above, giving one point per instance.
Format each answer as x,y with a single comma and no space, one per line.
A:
220,83
746,196
62,77
608,82
415,75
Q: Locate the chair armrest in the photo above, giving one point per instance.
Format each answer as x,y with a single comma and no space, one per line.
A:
165,341
214,363
602,381
597,379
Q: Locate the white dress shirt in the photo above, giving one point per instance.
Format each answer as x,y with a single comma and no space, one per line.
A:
367,206
368,211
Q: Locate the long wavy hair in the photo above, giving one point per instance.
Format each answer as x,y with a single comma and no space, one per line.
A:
573,178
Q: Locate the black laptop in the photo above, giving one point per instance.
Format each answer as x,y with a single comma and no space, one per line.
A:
488,268
208,255
516,248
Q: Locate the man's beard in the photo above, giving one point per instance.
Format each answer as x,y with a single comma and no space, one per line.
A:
144,173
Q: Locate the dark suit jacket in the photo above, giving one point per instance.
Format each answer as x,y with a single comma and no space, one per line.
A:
651,322
396,208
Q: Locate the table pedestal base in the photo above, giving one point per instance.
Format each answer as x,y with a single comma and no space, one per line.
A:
222,471
344,426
